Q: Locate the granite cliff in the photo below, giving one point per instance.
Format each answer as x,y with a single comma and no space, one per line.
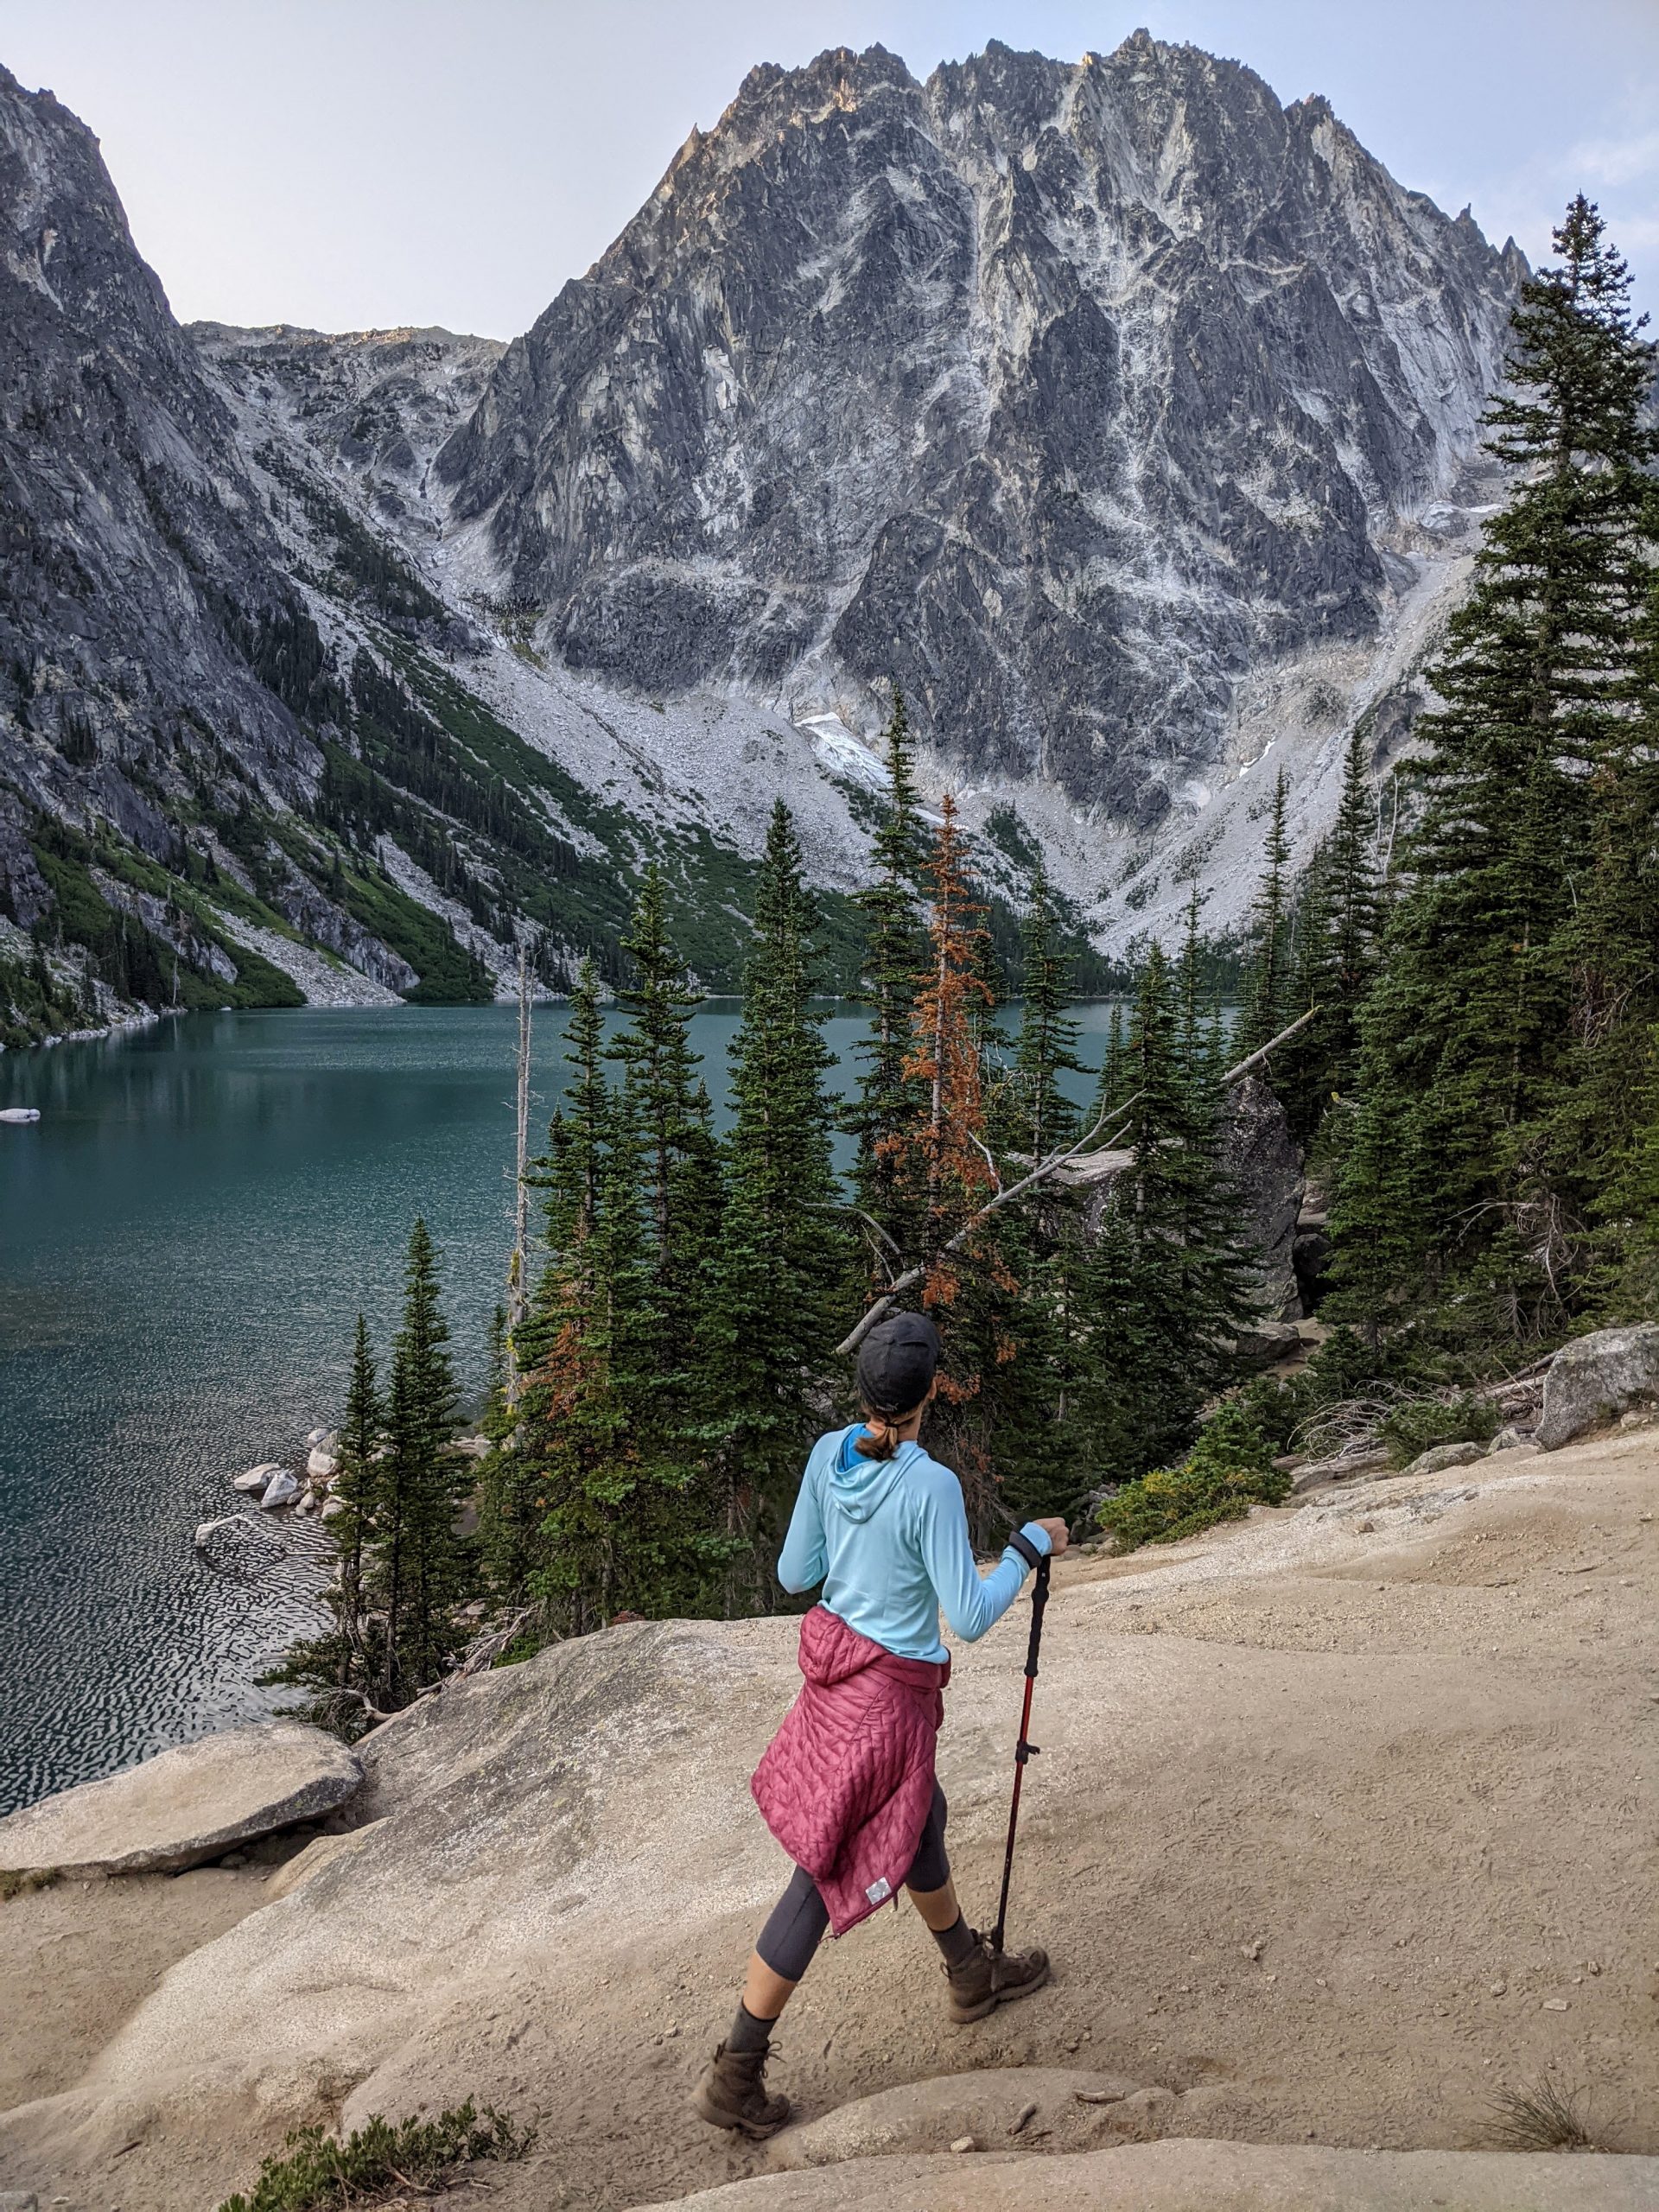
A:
1124,418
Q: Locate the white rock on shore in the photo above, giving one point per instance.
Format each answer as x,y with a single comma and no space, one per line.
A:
257,1478
187,1805
281,1490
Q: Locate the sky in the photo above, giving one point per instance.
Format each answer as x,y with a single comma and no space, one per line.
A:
355,164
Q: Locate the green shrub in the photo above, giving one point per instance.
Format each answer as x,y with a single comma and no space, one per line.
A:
1421,1423
1228,1469
17,1882
319,2174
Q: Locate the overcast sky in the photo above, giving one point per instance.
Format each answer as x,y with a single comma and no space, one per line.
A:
350,164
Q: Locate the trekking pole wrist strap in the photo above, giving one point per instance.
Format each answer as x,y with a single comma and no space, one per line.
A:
1020,1542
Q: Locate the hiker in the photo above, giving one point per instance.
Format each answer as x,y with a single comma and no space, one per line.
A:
847,1785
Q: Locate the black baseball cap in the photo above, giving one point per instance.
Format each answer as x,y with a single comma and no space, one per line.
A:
897,1363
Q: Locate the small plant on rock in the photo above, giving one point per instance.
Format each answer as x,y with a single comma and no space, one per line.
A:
319,2173
16,1882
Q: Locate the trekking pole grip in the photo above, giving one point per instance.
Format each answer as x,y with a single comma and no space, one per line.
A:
1038,1600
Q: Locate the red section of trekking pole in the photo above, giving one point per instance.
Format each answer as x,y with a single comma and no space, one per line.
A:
1025,1749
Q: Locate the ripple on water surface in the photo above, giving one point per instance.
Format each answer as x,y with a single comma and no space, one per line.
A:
186,1238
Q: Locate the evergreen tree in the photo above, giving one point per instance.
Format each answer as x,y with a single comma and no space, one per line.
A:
1164,1287
355,1489
1034,1114
620,1411
1268,991
784,1250
417,1573
341,1669
1473,1178
1338,920
894,956
941,1172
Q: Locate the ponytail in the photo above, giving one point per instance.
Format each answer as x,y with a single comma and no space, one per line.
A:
880,1439
880,1445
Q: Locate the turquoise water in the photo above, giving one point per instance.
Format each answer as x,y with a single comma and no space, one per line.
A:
185,1236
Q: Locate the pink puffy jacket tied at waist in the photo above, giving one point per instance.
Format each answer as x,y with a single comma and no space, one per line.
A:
846,1782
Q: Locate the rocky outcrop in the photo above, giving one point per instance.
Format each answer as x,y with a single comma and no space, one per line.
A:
1597,1377
1265,1164
557,1872
1062,395
185,1806
1196,2176
1057,2106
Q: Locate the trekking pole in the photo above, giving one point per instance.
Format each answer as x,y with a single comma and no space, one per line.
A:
1025,1749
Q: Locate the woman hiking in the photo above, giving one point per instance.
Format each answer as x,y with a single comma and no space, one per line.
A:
847,1785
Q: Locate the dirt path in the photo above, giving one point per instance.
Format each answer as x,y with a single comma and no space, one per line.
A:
1343,1824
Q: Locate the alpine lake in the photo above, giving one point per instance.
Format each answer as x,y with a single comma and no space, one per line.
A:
187,1235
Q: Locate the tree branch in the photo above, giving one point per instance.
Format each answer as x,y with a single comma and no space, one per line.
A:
912,1275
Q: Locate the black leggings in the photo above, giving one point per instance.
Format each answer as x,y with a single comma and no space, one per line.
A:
800,1917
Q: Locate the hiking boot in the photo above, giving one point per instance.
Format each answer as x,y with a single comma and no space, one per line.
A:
733,2094
988,1979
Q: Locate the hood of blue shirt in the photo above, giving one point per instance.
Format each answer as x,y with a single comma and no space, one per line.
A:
858,1486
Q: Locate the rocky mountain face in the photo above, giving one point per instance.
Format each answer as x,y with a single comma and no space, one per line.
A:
1124,418
246,754
137,572
1064,397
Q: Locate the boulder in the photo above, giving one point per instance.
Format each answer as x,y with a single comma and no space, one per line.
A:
281,1490
186,1806
1266,1342
257,1478
1597,1377
1511,1439
320,1464
1265,1163
1369,1464
332,1507
995,2107
1442,1456
239,1545
316,1436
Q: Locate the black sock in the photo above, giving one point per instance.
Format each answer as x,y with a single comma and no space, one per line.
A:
959,1941
749,2033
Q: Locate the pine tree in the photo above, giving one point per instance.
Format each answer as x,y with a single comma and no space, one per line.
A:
1267,988
941,1173
1164,1288
355,1490
341,1669
1468,1054
784,1248
418,1571
894,956
619,1415
1338,922
1034,1114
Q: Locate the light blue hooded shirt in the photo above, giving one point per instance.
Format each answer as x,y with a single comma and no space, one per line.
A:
888,1540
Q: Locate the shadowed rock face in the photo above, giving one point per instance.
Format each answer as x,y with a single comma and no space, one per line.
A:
133,546
1060,394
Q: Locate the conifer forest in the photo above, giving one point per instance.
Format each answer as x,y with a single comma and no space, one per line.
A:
1456,1003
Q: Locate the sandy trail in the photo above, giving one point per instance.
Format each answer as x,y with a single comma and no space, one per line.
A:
1344,1822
